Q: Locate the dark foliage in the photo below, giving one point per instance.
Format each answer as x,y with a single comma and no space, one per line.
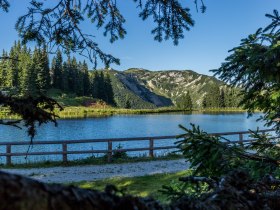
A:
58,23
226,174
4,5
33,111
254,67
185,102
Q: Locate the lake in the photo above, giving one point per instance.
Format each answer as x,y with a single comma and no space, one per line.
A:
118,126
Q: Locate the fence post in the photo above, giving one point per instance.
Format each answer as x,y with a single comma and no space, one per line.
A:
64,154
8,157
109,154
241,139
151,148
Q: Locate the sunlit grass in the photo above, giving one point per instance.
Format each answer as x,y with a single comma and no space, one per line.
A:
138,186
87,112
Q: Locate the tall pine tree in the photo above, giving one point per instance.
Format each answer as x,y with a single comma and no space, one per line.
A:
56,70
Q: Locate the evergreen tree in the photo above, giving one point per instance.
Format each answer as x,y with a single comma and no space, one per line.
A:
65,76
86,80
222,103
212,98
127,103
27,73
41,65
72,74
79,80
101,87
98,85
204,102
3,72
57,70
185,102
46,79
95,84
37,67
13,64
108,90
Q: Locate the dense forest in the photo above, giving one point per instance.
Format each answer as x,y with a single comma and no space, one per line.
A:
216,97
221,97
30,73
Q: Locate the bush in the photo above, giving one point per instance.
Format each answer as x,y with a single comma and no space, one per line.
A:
119,154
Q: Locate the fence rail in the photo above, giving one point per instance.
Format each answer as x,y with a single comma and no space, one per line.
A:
109,151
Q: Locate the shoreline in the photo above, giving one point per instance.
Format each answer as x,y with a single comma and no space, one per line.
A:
81,112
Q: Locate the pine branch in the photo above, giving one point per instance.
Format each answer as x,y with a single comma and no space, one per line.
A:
8,58
212,183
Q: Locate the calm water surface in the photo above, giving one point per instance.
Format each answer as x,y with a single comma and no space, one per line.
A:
124,126
134,126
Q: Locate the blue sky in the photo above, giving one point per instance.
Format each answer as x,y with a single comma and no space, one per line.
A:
204,47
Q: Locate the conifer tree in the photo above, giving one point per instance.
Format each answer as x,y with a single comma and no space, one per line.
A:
3,72
65,76
13,64
222,103
204,102
37,66
27,73
79,80
57,70
185,102
72,74
108,90
101,87
212,98
127,103
86,80
46,79
94,78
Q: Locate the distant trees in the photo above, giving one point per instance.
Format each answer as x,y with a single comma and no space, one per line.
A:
31,74
185,102
221,97
70,75
101,87
28,73
212,97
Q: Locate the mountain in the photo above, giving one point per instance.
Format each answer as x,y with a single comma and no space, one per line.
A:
140,88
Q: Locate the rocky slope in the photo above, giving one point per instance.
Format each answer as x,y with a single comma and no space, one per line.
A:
161,88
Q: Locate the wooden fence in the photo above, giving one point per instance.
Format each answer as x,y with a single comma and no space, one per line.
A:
64,152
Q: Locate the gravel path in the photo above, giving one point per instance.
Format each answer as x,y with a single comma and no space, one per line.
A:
96,172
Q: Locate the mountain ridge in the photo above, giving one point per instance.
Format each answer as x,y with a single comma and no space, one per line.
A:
163,87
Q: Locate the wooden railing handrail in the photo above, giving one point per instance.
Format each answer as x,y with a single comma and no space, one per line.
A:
240,132
118,139
85,151
109,151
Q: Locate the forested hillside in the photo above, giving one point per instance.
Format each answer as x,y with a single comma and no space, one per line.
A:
31,72
186,88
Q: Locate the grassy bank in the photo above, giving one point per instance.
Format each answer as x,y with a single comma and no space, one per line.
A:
80,112
88,112
225,109
92,161
138,186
